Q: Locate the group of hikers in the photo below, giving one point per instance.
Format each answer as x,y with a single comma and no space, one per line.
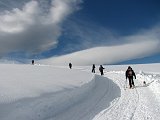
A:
101,68
129,73
93,68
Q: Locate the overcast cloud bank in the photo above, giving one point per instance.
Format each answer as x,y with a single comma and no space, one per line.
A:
31,29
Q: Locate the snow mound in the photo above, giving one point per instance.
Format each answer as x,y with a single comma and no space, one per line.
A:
30,92
23,81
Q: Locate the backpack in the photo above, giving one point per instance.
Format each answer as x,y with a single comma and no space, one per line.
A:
130,73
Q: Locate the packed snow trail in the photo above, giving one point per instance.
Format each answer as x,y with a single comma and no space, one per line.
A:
125,107
134,104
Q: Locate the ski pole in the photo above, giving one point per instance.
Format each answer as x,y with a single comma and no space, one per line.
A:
126,83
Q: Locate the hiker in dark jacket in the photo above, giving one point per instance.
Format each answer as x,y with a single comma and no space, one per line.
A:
32,62
129,74
101,69
70,65
93,68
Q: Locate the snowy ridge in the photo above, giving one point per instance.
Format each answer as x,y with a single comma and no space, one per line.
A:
23,81
54,100
92,101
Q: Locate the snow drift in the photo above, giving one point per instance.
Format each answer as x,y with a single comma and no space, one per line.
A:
45,92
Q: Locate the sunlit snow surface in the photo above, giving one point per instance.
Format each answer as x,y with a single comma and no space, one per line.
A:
43,92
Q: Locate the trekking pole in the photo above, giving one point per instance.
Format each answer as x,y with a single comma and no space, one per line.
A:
126,83
125,86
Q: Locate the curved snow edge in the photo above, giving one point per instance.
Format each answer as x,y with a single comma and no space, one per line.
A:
54,105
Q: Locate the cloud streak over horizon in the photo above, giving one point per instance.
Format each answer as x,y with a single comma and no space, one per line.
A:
142,44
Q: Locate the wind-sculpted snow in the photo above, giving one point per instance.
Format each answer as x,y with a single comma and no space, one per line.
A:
23,81
49,93
152,81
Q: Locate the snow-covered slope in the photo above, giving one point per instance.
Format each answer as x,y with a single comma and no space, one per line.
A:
30,92
41,92
23,81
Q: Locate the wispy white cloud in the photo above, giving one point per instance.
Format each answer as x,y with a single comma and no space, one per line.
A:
31,29
89,34
142,44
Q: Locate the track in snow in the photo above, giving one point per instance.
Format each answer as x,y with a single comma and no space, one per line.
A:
126,105
134,104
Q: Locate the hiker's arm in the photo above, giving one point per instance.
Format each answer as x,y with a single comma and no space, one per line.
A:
134,74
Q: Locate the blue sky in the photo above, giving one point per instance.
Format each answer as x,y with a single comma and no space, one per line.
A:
124,16
67,26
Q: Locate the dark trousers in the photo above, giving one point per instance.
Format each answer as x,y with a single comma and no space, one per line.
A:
131,82
102,72
93,70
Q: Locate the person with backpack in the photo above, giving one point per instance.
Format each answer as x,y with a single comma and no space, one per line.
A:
93,68
129,74
101,69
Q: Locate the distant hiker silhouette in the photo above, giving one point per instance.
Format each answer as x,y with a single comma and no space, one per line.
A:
101,69
32,62
129,74
70,65
93,68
